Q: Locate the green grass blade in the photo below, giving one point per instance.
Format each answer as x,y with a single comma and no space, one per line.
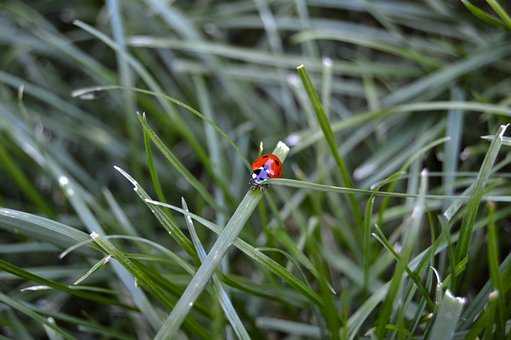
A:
90,90
176,163
254,253
155,179
119,214
143,278
329,309
298,329
177,121
412,224
125,75
223,298
28,276
50,332
40,228
344,190
495,274
505,140
98,265
330,139
22,181
218,158
501,12
23,309
452,147
482,15
357,318
446,75
405,53
326,85
17,328
476,195
85,325
208,266
447,317
416,279
170,226
276,60
308,137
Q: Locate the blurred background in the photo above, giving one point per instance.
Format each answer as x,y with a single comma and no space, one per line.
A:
406,85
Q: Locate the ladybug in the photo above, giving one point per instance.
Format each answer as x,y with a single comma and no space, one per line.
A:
263,168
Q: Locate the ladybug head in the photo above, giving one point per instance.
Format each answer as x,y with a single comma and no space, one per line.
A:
259,176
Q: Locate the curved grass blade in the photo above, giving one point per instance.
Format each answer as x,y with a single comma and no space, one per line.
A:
208,120
180,125
254,253
28,276
143,278
23,309
172,229
93,269
40,228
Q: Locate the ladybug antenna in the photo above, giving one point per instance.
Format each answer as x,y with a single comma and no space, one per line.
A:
261,148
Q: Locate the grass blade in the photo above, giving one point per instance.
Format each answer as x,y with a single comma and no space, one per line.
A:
254,253
125,75
172,229
176,163
501,12
495,274
143,278
208,266
476,195
452,147
223,298
50,332
447,317
93,269
40,228
28,276
482,15
413,224
442,77
330,139
180,125
23,309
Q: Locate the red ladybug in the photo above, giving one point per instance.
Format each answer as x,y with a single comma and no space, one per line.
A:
263,168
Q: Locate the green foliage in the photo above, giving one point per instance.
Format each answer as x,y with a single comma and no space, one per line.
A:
126,133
